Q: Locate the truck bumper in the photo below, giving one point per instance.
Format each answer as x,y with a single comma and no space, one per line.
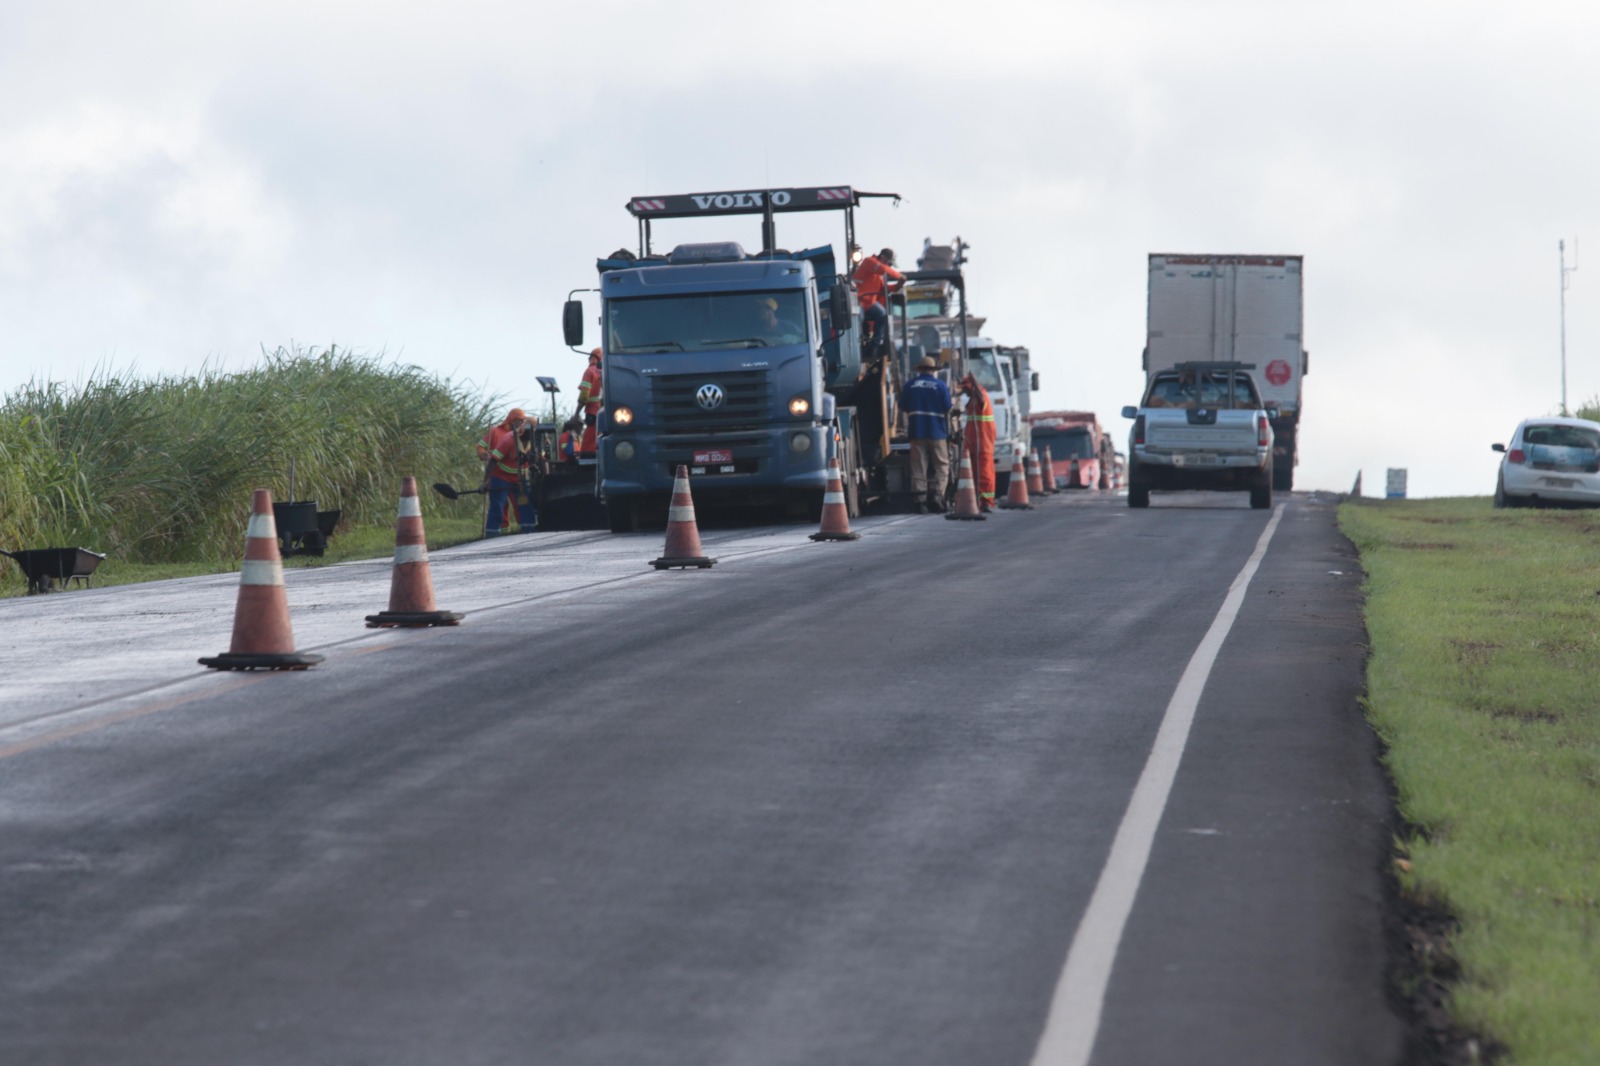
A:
790,458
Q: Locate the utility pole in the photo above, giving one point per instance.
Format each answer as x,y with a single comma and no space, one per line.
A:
1566,273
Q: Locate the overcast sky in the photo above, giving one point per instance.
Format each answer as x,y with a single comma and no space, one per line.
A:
184,182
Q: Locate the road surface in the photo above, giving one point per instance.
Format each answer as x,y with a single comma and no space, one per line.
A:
1037,790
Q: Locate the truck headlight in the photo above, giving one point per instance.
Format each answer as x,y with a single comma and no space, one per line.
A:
800,442
800,405
622,416
624,450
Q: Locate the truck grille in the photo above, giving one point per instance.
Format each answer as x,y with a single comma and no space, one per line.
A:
746,401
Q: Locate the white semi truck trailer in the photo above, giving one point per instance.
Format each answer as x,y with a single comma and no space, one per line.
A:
1235,308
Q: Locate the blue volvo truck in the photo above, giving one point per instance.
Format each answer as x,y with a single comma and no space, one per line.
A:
745,367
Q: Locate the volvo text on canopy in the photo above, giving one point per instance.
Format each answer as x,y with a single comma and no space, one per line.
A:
744,366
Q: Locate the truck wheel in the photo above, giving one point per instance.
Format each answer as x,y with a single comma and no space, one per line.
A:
622,515
1138,491
1261,492
1283,475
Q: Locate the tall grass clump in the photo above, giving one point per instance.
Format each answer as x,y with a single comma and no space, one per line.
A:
161,470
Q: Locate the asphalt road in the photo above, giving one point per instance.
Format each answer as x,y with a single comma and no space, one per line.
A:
823,803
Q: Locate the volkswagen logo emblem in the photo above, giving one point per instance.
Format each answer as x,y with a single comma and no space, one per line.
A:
709,397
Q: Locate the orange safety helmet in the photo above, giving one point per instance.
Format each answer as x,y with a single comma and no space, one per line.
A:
595,354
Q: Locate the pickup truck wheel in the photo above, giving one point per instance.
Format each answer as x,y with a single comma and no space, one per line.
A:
1138,492
1261,492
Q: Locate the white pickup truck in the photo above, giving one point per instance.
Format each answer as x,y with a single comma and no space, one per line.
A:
1202,426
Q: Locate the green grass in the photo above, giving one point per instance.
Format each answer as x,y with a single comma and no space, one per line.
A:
1483,682
157,473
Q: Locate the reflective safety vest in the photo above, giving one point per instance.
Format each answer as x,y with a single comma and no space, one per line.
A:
589,391
926,401
499,446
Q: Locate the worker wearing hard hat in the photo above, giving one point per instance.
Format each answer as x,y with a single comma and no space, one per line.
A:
980,439
503,480
926,402
872,280
589,403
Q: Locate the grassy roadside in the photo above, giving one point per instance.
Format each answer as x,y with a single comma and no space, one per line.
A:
1483,682
361,542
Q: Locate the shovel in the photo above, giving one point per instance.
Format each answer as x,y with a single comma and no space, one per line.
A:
454,494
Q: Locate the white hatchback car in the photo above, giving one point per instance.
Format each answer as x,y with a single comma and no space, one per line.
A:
1550,462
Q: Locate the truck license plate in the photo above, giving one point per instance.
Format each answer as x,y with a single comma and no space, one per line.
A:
713,455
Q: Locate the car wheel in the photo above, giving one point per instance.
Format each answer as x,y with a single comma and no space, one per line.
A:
1500,491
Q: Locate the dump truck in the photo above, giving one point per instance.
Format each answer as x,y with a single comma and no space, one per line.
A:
746,367
1081,452
1235,308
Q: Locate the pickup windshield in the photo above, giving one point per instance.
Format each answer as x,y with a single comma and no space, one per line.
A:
705,321
1208,388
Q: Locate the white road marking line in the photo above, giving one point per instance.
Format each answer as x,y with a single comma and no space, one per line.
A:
1074,1019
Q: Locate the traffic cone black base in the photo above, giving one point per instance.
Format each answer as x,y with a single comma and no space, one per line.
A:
297,660
413,619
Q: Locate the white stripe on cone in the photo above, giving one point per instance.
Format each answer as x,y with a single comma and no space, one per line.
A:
680,514
410,507
262,527
410,553
261,572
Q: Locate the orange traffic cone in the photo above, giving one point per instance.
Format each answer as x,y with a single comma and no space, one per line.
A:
1047,472
966,505
1035,475
835,515
683,533
1017,490
262,637
411,586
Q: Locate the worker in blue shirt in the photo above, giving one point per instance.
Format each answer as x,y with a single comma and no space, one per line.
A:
926,402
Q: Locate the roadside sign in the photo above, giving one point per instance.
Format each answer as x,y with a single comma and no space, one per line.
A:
1396,487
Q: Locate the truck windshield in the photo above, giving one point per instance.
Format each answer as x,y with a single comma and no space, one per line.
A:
1072,444
704,321
983,369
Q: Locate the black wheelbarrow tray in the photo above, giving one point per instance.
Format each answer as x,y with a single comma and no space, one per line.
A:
42,566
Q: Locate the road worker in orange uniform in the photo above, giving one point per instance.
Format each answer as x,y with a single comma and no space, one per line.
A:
980,439
589,403
502,476
872,279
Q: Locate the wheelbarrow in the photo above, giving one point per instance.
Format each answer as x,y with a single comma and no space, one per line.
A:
44,567
302,529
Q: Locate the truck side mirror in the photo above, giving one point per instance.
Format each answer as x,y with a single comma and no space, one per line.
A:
1033,381
1130,412
572,323
839,307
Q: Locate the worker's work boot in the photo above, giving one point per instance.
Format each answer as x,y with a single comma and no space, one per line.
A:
936,505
